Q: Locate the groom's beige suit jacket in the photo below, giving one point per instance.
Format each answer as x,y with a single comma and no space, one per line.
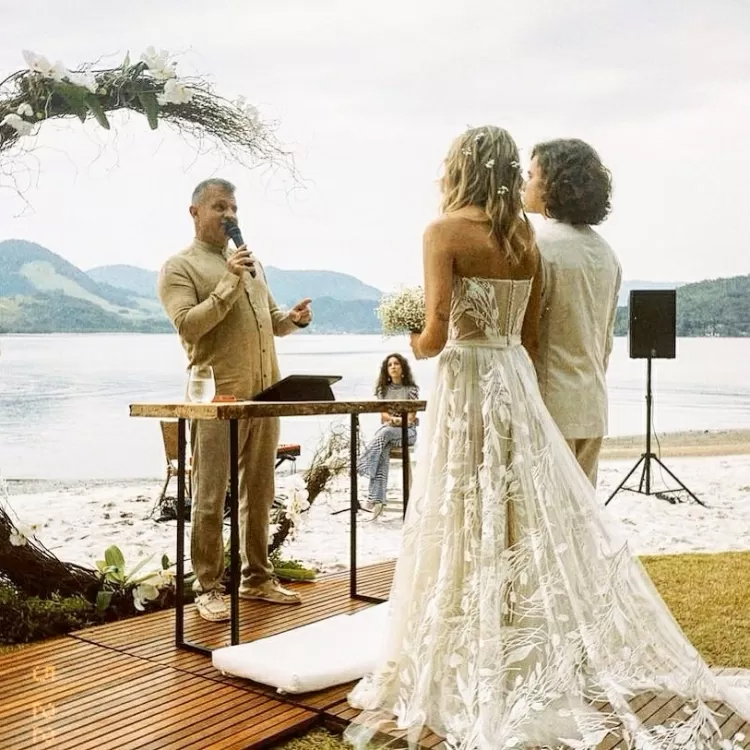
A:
581,281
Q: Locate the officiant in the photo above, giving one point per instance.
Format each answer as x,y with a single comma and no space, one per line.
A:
226,318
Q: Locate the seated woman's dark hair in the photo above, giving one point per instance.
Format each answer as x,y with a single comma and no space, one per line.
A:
384,379
578,187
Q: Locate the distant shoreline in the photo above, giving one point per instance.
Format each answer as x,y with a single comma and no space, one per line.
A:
680,444
687,444
312,332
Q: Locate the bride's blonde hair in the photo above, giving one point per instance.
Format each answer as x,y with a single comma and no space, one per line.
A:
482,169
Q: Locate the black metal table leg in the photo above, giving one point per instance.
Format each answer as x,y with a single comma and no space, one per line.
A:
234,533
234,545
353,504
179,626
405,465
353,508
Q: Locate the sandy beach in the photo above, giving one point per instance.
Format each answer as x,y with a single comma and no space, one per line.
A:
78,520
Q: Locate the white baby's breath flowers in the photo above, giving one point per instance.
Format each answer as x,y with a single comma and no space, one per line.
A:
490,164
402,312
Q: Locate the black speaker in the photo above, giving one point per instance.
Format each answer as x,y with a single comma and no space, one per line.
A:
652,328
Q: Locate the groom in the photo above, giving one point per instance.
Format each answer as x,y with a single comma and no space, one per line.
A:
570,187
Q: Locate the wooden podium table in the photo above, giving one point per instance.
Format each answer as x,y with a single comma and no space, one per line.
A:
232,412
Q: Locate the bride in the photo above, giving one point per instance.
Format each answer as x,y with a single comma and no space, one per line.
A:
517,617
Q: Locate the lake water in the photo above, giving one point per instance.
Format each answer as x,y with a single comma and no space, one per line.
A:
64,397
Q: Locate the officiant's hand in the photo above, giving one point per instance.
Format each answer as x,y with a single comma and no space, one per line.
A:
241,261
301,314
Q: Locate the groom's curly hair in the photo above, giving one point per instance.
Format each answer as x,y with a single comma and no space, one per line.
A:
578,187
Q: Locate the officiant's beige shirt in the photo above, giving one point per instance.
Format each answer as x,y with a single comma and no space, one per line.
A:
581,281
223,320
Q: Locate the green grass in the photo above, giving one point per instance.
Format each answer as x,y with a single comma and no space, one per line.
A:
707,594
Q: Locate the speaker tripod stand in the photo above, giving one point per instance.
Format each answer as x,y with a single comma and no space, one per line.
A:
644,486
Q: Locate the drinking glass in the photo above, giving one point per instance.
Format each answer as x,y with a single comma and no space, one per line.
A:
201,384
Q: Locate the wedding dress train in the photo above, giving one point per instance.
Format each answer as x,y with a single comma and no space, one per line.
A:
518,617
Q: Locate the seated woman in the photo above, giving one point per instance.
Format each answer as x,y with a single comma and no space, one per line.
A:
395,382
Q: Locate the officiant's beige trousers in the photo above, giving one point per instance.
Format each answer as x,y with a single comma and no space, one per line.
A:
586,451
257,442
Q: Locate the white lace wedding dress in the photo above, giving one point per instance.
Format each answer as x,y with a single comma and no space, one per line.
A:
517,618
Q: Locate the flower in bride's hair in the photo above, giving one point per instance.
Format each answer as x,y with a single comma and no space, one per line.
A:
479,136
490,164
515,164
467,152
503,190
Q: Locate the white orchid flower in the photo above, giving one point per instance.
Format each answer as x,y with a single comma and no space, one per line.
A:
25,110
38,63
59,72
21,126
84,80
143,593
159,64
20,535
174,93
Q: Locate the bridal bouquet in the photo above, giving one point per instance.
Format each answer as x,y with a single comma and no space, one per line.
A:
403,312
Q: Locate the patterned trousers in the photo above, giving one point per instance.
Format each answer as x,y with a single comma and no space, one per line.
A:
374,462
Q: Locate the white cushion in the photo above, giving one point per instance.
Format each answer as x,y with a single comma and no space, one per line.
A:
313,657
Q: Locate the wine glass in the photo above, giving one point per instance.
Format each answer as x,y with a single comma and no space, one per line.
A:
201,384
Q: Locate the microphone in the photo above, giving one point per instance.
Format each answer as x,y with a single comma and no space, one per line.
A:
232,230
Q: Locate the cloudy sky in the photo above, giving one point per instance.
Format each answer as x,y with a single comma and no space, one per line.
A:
369,96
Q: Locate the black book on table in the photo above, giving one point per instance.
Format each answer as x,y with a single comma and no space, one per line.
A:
300,388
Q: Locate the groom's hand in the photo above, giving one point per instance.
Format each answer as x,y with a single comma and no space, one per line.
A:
301,314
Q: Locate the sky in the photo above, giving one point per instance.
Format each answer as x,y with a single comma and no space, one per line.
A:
369,97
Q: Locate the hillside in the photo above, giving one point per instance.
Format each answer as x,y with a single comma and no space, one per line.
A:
27,268
718,307
288,287
139,281
626,286
41,292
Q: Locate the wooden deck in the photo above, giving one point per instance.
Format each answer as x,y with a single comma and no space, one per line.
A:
124,686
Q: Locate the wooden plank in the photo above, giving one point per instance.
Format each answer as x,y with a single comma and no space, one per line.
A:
253,409
125,686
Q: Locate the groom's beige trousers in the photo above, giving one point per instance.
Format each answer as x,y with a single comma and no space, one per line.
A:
586,451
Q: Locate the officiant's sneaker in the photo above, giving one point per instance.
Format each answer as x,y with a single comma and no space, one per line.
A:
271,591
212,607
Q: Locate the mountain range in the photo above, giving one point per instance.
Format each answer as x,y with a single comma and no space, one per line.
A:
41,292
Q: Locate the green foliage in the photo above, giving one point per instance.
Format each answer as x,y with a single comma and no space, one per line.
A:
290,570
150,107
24,619
719,307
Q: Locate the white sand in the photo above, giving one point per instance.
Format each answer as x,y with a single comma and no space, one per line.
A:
78,521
